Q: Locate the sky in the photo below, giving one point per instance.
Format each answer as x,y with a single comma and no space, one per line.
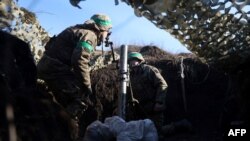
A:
56,15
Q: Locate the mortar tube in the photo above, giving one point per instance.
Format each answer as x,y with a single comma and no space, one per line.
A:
123,74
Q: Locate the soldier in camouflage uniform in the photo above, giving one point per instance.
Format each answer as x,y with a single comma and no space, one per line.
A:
150,90
65,64
149,87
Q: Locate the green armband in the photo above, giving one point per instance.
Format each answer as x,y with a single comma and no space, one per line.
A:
86,46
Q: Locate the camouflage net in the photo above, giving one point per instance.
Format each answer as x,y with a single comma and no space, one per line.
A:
216,30
24,25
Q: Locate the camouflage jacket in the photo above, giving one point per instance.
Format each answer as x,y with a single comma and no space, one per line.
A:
148,84
73,48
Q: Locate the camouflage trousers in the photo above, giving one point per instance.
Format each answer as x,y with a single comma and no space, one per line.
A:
159,120
64,90
63,84
60,80
157,117
138,111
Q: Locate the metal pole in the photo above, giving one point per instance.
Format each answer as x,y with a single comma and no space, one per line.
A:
123,74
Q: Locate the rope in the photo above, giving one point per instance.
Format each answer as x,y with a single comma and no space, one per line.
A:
102,51
183,86
133,100
203,80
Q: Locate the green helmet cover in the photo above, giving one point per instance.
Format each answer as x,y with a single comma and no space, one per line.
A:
102,21
135,55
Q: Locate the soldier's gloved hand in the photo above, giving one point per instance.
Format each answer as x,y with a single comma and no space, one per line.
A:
89,91
159,107
135,101
76,109
90,98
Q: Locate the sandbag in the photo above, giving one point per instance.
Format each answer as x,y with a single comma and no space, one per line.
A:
116,127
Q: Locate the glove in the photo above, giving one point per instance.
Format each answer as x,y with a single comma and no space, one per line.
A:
89,91
89,98
159,107
76,109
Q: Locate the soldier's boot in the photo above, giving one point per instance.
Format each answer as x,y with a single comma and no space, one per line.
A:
177,127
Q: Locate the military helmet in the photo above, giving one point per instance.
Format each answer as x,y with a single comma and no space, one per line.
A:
102,21
135,55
